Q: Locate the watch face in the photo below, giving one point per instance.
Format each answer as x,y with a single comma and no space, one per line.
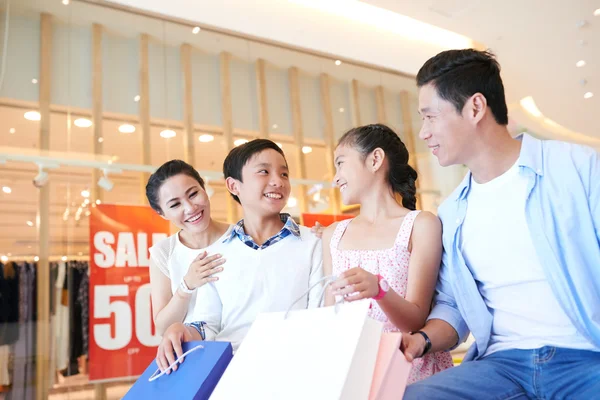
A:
384,285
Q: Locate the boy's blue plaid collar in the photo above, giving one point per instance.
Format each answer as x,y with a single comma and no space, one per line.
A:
289,227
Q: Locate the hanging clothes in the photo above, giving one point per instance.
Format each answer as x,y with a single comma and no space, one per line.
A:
9,304
61,321
83,300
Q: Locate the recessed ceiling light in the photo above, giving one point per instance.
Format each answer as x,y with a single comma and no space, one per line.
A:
32,116
85,193
82,123
597,12
4,259
12,130
36,259
98,202
64,258
168,133
137,98
292,202
86,202
34,81
275,126
30,223
580,63
307,149
126,128
6,189
338,62
588,95
239,142
66,2
196,30
206,138
342,109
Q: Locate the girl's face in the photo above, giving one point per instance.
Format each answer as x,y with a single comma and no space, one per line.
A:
352,175
184,203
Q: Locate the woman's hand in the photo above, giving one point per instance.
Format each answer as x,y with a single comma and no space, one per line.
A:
202,269
356,284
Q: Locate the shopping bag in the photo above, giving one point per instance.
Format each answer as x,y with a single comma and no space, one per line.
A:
391,370
195,378
324,353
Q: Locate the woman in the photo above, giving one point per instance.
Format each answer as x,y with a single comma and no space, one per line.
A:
183,262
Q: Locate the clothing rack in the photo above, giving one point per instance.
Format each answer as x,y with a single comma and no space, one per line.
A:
50,259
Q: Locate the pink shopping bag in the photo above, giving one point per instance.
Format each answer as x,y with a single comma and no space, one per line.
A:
391,370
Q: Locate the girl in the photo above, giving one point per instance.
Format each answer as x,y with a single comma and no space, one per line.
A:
389,253
183,262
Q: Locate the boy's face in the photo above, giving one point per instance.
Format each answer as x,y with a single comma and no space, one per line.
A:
265,186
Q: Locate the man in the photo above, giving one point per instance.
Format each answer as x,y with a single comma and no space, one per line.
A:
521,233
271,261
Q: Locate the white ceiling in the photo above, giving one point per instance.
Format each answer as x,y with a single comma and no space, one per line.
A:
537,42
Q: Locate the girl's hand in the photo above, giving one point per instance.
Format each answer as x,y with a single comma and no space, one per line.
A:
356,284
202,269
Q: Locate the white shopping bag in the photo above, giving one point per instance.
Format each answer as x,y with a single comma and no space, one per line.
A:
324,353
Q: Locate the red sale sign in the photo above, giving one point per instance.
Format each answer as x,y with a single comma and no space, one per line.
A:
122,338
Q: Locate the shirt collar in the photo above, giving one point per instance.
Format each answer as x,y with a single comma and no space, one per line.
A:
529,157
289,225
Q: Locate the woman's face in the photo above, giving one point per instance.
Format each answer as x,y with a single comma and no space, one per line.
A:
184,203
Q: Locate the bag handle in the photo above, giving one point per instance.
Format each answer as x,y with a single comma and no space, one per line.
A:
328,281
153,377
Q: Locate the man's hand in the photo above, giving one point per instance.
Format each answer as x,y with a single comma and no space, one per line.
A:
412,346
317,230
171,342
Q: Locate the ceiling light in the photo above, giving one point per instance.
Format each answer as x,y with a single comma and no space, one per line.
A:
30,223
338,62
12,130
529,105
105,183
4,259
588,95
66,2
239,142
64,258
40,179
36,259
86,202
307,149
341,109
80,253
196,30
275,126
137,98
597,12
280,145
34,81
292,202
6,189
32,116
98,202
82,123
206,138
168,133
85,193
126,128
100,139
580,63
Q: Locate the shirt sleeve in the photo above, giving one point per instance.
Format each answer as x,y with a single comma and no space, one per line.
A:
206,312
444,304
159,253
594,197
316,273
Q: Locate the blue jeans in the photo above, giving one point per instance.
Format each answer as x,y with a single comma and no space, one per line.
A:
545,373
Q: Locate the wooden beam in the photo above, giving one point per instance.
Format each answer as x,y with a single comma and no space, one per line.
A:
408,136
298,135
227,113
188,110
144,110
329,135
261,90
97,105
380,99
43,335
355,100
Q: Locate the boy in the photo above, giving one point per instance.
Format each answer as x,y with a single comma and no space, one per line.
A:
271,261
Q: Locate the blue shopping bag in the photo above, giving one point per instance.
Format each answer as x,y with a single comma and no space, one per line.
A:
195,378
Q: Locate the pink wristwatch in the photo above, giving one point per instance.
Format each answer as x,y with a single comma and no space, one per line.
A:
383,288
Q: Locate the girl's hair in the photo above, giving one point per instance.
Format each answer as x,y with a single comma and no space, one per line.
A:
164,172
400,176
